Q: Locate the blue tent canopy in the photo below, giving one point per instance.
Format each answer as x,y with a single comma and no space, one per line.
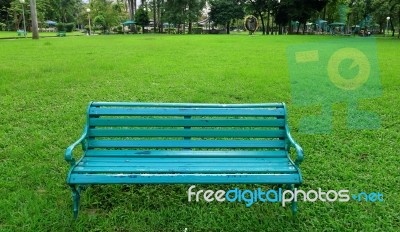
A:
49,22
336,24
129,22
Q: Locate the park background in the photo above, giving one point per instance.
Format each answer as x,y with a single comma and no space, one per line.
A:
46,84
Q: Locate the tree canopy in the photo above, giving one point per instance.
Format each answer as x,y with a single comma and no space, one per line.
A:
224,11
182,14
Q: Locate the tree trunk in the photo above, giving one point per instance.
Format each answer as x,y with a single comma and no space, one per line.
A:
262,22
268,16
227,27
391,25
131,12
17,21
190,27
159,14
35,30
154,15
134,9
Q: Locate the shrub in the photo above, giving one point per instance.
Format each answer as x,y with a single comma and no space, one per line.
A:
170,30
119,29
60,26
69,27
2,27
197,30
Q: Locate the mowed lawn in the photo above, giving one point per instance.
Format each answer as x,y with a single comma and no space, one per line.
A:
45,87
14,34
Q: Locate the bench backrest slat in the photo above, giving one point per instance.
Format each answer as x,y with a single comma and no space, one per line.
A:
185,105
186,143
184,112
156,126
187,133
194,122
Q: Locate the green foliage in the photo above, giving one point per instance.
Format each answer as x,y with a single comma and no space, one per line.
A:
223,11
60,26
119,29
182,11
69,27
170,30
2,26
100,21
106,14
142,17
197,30
299,10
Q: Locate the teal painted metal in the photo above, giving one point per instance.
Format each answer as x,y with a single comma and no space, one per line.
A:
166,143
185,179
187,132
95,143
117,111
151,122
186,105
184,154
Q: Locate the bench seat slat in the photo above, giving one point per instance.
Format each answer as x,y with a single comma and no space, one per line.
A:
186,123
185,179
186,169
185,105
186,133
185,153
186,143
184,165
104,161
185,112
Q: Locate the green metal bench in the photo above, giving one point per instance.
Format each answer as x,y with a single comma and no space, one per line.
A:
21,32
61,34
151,143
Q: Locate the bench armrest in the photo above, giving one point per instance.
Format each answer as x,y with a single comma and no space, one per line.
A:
68,153
299,150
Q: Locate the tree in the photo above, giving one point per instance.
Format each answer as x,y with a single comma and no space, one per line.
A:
300,10
193,12
106,13
35,29
386,8
175,12
182,11
223,11
142,17
258,7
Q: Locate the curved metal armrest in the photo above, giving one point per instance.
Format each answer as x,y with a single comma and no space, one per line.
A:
68,153
299,150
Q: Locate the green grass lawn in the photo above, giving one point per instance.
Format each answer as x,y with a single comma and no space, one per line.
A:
45,87
13,34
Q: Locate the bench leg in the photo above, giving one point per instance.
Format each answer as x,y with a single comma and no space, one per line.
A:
76,195
294,207
294,203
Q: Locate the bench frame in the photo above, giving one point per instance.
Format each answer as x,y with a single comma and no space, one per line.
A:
21,33
61,34
83,141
